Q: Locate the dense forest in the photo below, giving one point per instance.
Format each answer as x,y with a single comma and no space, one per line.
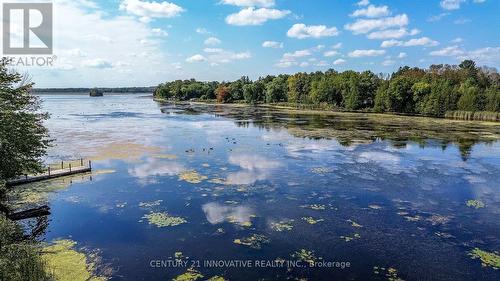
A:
441,90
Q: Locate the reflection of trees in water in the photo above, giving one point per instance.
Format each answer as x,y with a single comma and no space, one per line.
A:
349,129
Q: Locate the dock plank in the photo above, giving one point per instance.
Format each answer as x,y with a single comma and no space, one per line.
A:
47,176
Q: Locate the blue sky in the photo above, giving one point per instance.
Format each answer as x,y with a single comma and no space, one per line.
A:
139,43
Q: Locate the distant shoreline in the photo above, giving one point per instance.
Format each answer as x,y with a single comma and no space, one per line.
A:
123,90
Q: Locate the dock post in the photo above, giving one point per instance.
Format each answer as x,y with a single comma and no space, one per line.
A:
26,176
90,164
49,170
81,162
62,165
70,167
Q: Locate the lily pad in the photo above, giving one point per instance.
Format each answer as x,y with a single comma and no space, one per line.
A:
190,275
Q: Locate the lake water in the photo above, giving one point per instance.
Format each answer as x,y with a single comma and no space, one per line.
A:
230,186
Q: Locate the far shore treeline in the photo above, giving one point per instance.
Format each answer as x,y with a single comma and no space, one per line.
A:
462,91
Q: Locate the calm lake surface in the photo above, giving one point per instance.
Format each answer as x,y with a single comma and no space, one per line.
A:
395,197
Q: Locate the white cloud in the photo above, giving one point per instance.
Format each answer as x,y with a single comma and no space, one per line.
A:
392,33
97,63
272,44
159,32
148,10
218,56
402,55
451,4
423,41
202,30
363,26
298,54
252,16
330,53
363,3
451,51
438,17
486,55
372,12
249,3
339,62
388,62
302,31
212,41
196,58
337,46
457,40
366,53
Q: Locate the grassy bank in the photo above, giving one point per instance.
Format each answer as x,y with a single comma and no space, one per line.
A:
483,116
473,116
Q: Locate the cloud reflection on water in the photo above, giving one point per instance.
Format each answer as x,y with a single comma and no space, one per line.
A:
255,168
217,213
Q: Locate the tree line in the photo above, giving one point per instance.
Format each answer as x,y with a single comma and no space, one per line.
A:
431,92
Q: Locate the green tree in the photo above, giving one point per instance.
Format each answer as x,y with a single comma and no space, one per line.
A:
492,99
23,138
471,97
276,90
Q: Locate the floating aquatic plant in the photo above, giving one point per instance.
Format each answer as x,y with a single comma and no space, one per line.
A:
165,156
255,241
190,275
311,220
150,204
305,256
216,278
191,177
217,181
67,264
391,273
282,226
317,207
488,259
163,219
350,238
374,207
354,224
475,204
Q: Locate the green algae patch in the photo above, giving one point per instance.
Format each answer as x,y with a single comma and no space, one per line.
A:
475,204
190,275
390,273
255,241
163,219
488,259
305,256
282,226
350,238
316,207
165,156
192,177
311,220
67,264
217,181
216,278
38,193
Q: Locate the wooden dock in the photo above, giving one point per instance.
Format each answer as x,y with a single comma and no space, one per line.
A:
52,174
